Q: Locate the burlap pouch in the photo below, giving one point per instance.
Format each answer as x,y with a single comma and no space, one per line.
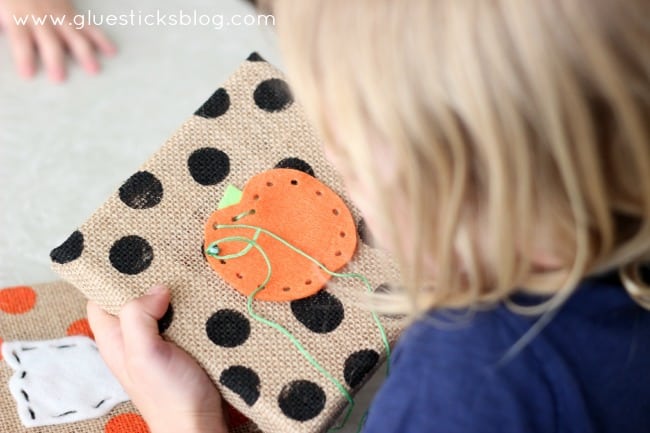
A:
51,311
151,231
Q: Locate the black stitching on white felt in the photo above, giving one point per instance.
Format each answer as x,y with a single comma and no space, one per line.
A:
321,313
301,400
296,164
273,95
208,165
228,328
143,190
215,106
131,255
358,365
69,250
243,381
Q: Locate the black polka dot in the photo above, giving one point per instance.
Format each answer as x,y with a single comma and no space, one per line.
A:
243,381
131,255
320,313
301,400
208,166
273,95
296,164
69,250
358,365
255,57
141,191
166,320
365,234
228,328
216,105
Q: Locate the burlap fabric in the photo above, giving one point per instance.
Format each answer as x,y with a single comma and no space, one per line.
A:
57,310
51,311
151,231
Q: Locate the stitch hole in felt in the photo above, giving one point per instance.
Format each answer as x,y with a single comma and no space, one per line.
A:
256,197
269,183
240,276
319,193
335,212
307,283
342,234
338,253
215,226
286,289
294,182
243,215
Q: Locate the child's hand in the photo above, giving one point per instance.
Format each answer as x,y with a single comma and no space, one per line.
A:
170,389
49,40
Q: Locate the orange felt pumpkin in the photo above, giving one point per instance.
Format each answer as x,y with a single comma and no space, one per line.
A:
299,209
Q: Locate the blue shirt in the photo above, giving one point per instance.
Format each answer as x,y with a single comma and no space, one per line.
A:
588,370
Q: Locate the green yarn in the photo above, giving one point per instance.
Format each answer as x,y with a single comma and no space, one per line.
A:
213,251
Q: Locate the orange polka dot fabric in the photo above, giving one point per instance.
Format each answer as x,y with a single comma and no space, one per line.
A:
80,327
56,310
17,300
126,423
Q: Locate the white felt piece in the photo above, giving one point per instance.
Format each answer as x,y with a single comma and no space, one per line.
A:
60,381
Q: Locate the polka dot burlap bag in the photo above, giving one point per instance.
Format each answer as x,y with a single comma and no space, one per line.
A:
43,313
240,214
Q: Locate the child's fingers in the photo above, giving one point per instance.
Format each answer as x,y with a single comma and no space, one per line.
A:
108,336
51,52
139,321
22,48
81,49
100,40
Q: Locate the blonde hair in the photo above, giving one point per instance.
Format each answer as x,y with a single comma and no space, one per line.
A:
484,132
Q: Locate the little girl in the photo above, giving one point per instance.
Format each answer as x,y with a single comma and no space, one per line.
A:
501,150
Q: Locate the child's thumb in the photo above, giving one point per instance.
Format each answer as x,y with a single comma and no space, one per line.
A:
158,289
139,318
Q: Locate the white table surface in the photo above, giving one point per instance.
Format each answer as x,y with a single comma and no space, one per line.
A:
65,147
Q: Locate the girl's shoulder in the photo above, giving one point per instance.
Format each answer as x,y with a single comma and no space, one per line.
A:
450,374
